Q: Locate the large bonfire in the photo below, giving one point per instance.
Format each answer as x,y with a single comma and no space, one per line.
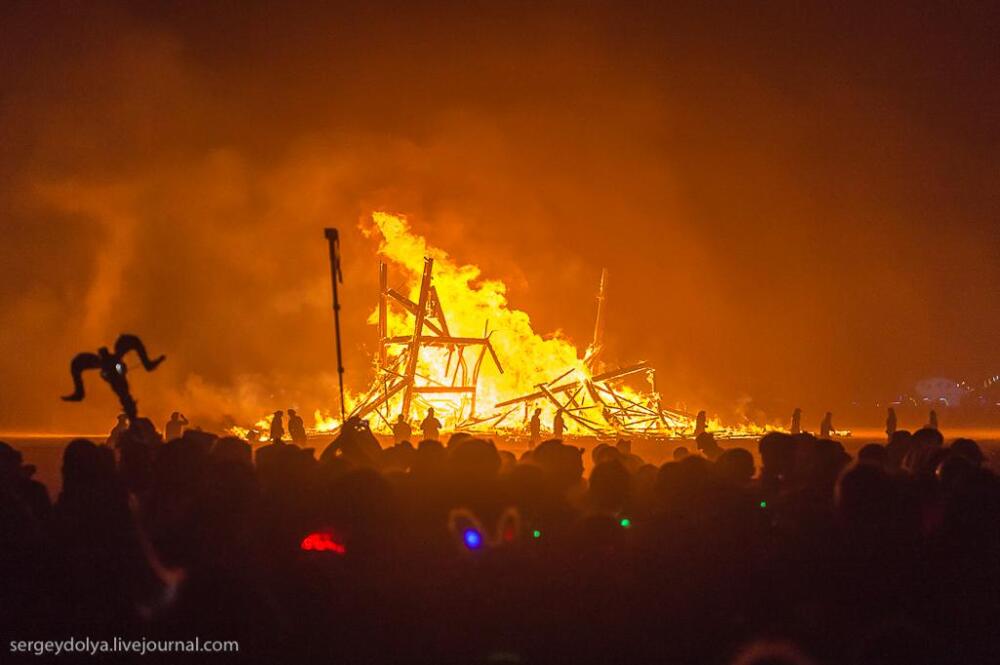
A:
480,364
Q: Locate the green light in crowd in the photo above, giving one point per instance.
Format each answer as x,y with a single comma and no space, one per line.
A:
763,504
626,522
536,534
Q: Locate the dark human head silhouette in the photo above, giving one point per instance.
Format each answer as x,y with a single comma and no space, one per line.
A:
866,499
475,459
609,486
928,436
777,454
10,461
86,466
563,463
873,453
968,449
899,445
736,466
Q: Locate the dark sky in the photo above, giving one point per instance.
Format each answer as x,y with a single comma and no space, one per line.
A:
796,204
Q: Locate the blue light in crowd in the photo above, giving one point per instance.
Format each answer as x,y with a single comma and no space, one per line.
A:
472,539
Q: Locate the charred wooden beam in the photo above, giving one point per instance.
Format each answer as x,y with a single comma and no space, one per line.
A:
443,390
418,331
540,394
583,421
383,320
412,308
437,340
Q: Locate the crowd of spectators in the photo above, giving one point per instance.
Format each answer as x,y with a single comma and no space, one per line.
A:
459,551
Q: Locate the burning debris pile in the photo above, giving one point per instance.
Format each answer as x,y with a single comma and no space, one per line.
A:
429,358
448,340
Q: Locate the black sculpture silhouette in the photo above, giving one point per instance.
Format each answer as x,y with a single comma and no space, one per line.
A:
113,370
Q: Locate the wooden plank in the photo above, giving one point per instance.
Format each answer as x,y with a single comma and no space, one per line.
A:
439,311
365,409
443,390
583,421
418,331
411,307
538,395
621,372
433,340
383,284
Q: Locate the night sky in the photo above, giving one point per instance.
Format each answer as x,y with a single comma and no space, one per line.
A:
796,204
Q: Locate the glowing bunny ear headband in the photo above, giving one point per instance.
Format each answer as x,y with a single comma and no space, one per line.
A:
471,535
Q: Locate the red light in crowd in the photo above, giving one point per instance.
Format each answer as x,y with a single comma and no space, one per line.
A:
321,541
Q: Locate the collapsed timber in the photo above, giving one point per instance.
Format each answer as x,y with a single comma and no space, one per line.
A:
593,397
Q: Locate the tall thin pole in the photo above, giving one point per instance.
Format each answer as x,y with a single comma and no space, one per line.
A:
596,346
383,320
337,276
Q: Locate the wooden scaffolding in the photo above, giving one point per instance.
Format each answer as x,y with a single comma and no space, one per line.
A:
592,396
398,357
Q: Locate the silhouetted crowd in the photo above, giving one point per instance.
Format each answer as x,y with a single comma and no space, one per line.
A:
460,552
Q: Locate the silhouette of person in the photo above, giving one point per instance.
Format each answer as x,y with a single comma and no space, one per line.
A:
401,430
708,447
826,427
699,423
890,424
116,432
933,421
175,426
296,428
535,427
277,428
431,426
16,483
558,425
796,421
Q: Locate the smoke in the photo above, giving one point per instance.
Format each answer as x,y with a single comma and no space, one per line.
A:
762,205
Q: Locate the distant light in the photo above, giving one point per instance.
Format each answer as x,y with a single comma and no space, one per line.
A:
625,522
472,539
536,534
321,541
763,504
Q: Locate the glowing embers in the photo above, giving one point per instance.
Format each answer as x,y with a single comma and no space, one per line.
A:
323,540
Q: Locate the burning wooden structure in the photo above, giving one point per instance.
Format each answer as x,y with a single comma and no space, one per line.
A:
589,395
398,372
